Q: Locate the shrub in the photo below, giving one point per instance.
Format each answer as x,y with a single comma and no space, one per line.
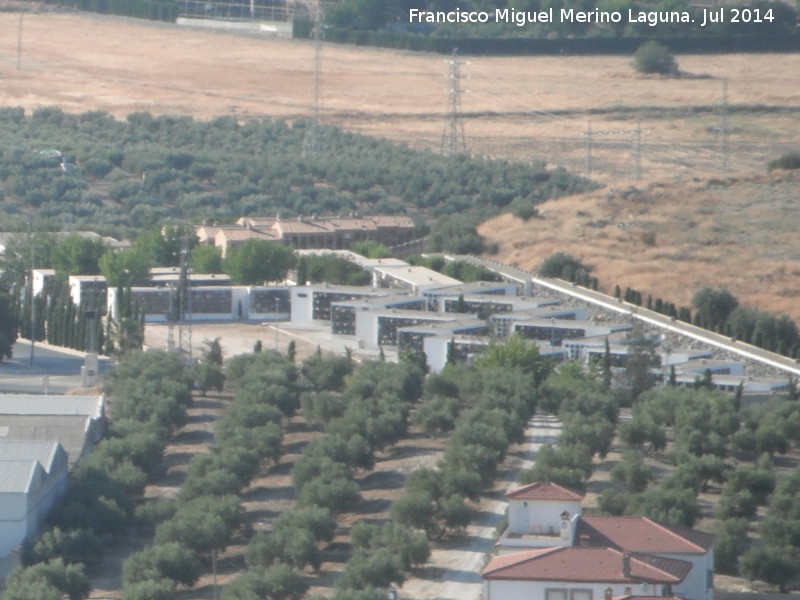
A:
790,160
165,561
653,57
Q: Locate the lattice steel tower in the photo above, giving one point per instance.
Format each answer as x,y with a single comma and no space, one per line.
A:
453,140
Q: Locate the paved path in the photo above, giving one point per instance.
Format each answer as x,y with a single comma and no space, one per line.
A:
458,563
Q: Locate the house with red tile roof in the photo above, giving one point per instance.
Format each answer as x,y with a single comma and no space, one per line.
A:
574,573
593,557
541,515
311,232
641,534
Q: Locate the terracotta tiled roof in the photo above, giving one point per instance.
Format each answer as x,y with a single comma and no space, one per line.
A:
275,228
349,223
586,565
306,227
640,534
238,235
353,224
392,221
543,491
265,222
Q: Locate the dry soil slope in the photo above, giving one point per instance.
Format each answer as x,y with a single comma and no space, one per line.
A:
669,240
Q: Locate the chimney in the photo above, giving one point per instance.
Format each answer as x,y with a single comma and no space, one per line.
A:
626,565
565,528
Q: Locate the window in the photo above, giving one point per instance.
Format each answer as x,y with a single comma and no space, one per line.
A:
552,594
571,594
580,595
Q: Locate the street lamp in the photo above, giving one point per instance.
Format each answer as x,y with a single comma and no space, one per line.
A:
277,307
33,301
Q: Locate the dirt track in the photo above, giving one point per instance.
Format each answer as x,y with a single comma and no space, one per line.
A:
518,107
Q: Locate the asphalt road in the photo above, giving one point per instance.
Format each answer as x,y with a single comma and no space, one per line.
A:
61,368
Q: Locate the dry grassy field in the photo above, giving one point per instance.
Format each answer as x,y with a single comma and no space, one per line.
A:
669,240
527,108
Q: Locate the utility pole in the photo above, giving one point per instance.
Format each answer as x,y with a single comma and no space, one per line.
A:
19,42
33,299
185,302
214,572
453,140
275,323
637,149
723,127
588,150
311,142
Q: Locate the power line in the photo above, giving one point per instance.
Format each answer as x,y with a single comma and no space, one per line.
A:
588,150
637,149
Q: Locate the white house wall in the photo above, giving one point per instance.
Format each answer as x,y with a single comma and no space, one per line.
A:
435,348
540,517
367,328
495,589
21,514
12,530
302,298
695,585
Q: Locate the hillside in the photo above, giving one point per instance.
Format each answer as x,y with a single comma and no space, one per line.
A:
671,239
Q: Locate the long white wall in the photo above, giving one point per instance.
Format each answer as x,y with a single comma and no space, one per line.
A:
535,590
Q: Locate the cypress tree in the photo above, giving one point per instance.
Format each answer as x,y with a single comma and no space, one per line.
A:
607,366
80,329
451,352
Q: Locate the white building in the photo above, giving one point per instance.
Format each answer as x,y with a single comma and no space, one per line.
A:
644,535
33,475
415,279
75,422
570,573
41,278
570,556
87,290
541,515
